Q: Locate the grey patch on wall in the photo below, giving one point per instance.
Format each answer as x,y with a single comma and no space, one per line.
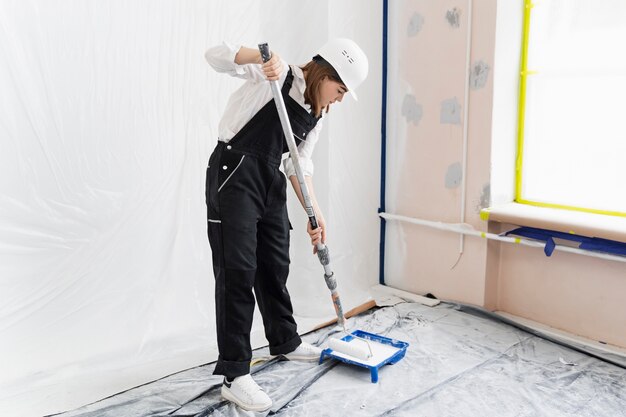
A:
415,24
453,17
411,109
479,74
454,175
485,198
450,112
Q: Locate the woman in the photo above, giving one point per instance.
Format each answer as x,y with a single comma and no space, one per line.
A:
248,225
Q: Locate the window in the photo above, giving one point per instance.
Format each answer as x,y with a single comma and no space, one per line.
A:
572,130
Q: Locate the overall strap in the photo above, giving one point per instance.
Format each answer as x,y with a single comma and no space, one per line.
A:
288,81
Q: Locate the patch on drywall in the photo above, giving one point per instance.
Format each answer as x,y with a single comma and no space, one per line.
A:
453,17
415,24
411,109
479,74
485,197
450,112
454,175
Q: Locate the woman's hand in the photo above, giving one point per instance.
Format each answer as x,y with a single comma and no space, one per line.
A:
317,235
272,68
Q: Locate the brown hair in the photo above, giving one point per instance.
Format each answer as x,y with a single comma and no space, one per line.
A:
315,71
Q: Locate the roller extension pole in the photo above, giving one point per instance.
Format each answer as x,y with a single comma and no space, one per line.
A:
322,250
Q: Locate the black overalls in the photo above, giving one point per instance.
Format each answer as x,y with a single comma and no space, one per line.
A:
248,231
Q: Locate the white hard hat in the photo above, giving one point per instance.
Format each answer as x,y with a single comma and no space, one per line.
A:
348,60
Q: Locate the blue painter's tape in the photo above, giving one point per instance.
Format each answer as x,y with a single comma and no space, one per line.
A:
383,149
549,248
594,244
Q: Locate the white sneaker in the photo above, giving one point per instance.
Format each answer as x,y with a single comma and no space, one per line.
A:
304,352
244,392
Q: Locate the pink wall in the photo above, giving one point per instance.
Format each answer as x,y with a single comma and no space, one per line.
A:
433,63
579,294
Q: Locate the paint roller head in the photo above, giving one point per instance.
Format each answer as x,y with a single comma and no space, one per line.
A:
350,349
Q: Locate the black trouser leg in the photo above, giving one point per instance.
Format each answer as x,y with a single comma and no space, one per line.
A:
234,306
272,270
234,299
275,306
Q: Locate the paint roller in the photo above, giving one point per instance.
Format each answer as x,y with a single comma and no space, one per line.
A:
351,349
322,250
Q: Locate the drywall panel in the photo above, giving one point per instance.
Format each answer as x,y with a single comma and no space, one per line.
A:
439,103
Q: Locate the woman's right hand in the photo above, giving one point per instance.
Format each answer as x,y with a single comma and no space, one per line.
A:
317,235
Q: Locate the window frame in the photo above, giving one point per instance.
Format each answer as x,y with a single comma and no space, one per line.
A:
521,118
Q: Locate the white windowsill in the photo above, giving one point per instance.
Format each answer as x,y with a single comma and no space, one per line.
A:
567,221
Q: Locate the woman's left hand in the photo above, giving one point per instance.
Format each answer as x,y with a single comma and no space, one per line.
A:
317,235
273,68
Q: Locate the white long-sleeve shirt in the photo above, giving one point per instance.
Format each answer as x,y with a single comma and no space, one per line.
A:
246,101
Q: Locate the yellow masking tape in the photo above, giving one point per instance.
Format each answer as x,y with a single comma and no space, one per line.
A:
484,214
521,112
521,108
572,208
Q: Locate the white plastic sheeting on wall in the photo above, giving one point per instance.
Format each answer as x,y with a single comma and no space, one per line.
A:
439,107
425,108
108,113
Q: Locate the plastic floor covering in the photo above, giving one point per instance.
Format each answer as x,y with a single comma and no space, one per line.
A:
460,362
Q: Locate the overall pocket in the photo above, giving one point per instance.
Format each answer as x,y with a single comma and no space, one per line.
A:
229,164
214,230
211,185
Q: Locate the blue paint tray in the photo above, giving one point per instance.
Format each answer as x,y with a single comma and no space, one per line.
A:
385,351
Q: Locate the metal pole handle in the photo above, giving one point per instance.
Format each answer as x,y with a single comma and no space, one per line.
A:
322,250
291,143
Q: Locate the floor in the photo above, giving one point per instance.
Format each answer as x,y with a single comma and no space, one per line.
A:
460,362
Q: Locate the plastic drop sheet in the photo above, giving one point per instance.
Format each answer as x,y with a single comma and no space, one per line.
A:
461,362
108,115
